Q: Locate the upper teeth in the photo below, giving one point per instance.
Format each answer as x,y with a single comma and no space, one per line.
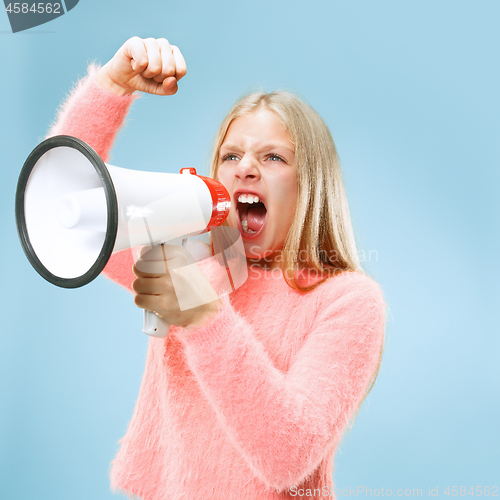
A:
248,198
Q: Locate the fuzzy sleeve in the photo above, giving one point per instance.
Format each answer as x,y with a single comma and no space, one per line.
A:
95,115
284,423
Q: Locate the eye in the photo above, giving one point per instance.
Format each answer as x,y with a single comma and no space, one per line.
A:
229,157
275,157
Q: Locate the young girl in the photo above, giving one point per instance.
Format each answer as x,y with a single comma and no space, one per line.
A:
249,395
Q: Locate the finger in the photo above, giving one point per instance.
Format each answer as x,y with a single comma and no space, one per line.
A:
167,60
157,303
135,50
180,63
150,269
148,302
151,262
174,255
149,252
154,59
169,86
152,286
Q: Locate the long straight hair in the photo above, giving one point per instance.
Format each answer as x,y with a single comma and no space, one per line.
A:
320,237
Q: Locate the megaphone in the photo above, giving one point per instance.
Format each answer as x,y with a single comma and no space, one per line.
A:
73,211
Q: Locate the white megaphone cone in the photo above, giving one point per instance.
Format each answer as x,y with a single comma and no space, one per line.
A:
73,211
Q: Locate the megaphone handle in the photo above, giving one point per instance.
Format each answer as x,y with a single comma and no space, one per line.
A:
155,326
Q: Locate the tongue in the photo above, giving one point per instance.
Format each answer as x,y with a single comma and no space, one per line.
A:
256,216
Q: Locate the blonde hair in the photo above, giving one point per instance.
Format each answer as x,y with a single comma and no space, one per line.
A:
321,226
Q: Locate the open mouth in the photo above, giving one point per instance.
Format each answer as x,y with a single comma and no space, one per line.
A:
251,218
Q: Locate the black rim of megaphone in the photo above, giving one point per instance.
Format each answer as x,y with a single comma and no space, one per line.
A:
111,202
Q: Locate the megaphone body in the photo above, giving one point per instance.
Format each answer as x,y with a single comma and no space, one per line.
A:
73,212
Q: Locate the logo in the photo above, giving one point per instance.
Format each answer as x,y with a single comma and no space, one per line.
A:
26,15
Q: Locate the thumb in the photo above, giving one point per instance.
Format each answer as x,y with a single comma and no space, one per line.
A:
173,256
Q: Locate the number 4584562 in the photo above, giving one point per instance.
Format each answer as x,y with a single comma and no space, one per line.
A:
41,8
478,491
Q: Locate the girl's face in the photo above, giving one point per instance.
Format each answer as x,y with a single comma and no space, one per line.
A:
257,159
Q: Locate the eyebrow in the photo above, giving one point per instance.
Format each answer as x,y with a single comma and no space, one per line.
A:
266,146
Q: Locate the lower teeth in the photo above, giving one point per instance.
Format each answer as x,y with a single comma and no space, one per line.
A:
245,228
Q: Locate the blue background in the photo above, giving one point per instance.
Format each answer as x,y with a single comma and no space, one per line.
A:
410,91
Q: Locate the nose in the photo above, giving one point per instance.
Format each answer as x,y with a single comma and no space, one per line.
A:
247,168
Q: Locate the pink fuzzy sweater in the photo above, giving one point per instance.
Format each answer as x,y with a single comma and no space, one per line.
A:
253,404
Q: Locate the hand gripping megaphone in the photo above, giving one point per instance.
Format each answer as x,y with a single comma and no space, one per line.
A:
73,211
